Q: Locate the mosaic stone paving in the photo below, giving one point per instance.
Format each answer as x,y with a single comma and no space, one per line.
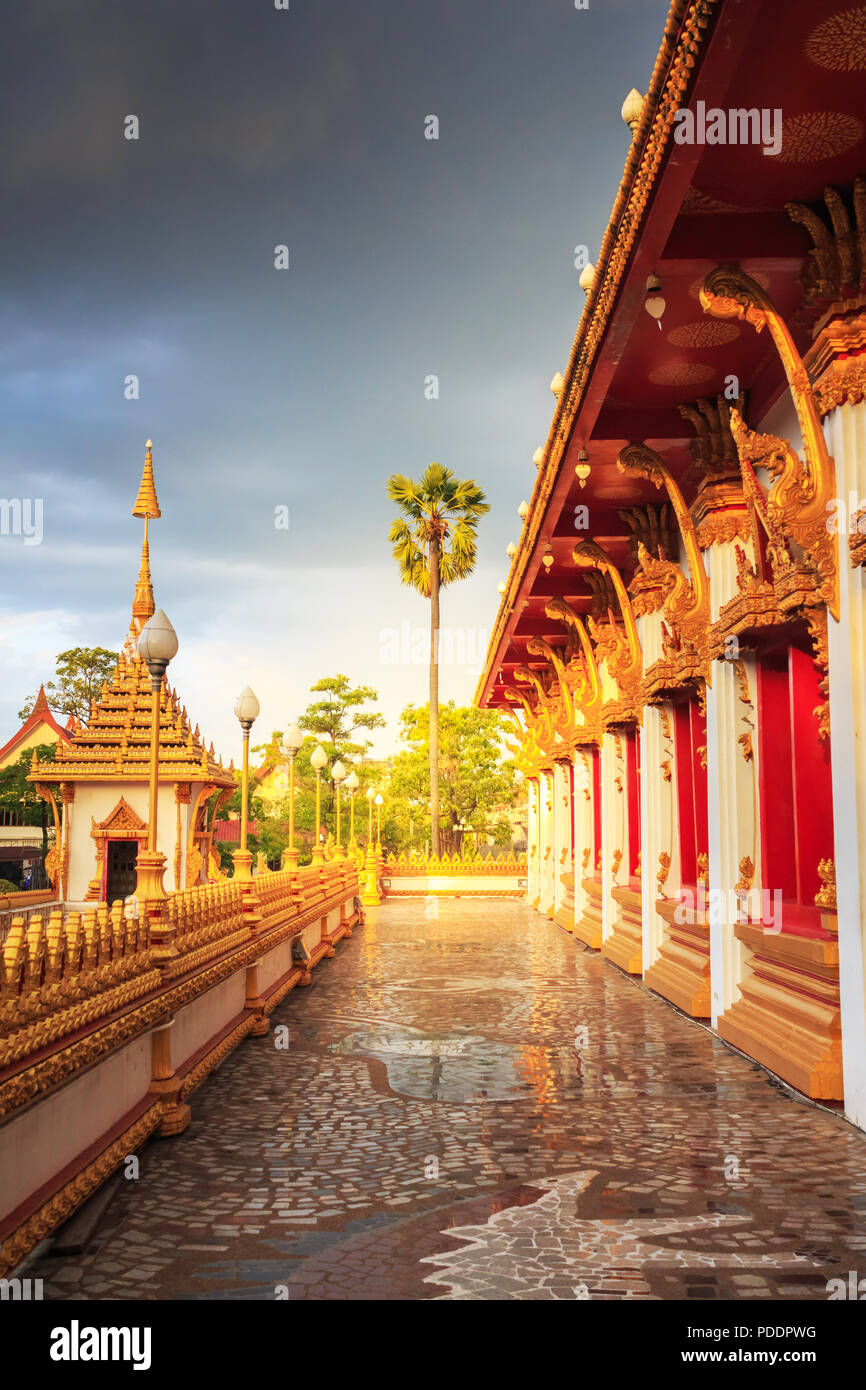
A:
472,1106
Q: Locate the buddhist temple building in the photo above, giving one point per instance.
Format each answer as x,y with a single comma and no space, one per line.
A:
39,728
20,843
681,640
97,782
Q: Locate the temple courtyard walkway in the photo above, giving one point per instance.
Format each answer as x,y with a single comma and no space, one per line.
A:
470,1105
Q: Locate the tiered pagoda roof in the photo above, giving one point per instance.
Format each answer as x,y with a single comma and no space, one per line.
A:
115,744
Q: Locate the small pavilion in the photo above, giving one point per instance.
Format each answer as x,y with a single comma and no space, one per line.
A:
102,770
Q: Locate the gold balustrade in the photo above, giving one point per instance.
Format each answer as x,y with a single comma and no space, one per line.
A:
64,971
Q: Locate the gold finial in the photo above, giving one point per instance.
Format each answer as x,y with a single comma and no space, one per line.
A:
146,506
146,503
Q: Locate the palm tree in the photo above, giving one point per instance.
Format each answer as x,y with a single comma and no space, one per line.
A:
435,544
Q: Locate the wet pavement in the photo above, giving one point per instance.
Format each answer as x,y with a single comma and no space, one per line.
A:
467,1104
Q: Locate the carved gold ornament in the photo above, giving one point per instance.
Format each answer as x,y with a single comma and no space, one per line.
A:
837,260
687,30
704,870
664,869
801,490
622,649
826,895
687,606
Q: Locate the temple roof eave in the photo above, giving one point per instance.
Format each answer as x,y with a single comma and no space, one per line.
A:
685,39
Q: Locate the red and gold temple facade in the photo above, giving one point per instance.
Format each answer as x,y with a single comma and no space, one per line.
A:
681,642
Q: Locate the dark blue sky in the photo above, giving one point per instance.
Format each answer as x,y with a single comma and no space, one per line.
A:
305,387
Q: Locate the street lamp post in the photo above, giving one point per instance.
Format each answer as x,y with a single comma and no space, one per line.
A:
370,897
338,774
293,740
352,785
379,800
157,645
246,712
318,760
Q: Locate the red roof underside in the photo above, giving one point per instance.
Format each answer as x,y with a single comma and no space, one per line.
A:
712,204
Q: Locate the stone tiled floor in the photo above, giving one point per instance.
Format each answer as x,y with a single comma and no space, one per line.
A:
470,1105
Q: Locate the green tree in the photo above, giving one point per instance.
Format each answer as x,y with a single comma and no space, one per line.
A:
435,543
340,716
19,799
476,781
335,722
79,677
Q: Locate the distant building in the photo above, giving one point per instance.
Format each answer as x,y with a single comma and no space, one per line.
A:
20,844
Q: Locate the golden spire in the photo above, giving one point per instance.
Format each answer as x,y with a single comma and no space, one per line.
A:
146,503
146,506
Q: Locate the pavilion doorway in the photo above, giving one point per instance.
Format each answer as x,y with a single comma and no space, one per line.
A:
122,870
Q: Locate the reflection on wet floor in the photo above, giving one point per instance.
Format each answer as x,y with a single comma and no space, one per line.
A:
477,1108
460,1067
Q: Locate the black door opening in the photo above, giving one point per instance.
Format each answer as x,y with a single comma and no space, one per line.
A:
122,873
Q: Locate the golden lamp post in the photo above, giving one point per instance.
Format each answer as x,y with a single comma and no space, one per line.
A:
157,644
370,896
352,785
292,743
246,712
379,799
318,760
338,777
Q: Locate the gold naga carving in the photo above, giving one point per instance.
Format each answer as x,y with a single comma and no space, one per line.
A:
615,861
582,669
623,649
837,260
526,676
713,452
536,646
654,524
801,490
527,750
687,604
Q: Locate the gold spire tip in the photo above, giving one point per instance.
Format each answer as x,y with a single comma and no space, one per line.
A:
146,503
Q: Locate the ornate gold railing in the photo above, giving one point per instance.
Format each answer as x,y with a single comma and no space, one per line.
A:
66,972
447,864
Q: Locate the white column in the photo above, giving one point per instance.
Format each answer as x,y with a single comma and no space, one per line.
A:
533,842
659,828
584,865
562,831
845,431
733,829
547,842
614,832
